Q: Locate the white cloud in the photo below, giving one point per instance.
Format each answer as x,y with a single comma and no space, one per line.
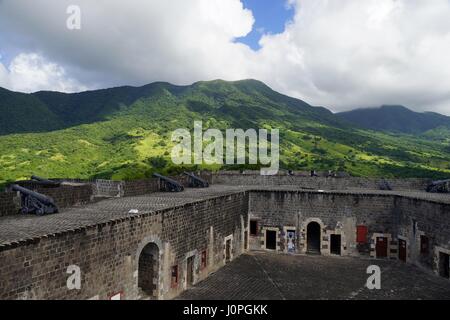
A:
134,42
352,53
336,53
31,72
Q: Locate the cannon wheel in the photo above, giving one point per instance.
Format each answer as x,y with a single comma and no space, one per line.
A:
24,210
40,212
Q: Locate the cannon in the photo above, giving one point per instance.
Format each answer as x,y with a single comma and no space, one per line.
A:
33,202
384,185
441,186
45,182
168,184
196,182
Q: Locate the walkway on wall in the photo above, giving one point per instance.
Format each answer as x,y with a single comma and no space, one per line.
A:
263,275
27,227
20,228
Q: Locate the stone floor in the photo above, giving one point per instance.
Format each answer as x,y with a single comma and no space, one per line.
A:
269,276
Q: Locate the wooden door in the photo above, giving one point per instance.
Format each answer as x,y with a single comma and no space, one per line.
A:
382,247
228,251
190,271
402,250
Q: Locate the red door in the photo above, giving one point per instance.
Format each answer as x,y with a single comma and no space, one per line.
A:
361,234
382,247
402,250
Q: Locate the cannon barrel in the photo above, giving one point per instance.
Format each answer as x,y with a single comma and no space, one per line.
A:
172,184
435,183
42,198
44,181
384,185
441,186
197,181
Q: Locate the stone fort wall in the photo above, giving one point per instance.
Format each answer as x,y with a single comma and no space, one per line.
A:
396,218
316,183
108,254
77,191
196,236
65,196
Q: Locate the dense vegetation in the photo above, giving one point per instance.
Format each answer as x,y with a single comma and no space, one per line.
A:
125,133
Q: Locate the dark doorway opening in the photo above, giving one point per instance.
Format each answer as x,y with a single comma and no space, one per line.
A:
424,245
444,267
253,228
190,271
402,250
148,270
313,236
382,247
245,240
228,251
271,240
335,246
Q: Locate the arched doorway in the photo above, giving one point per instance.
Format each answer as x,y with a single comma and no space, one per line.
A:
313,238
148,271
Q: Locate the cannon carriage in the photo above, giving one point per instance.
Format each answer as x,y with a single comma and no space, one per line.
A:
35,203
441,186
169,185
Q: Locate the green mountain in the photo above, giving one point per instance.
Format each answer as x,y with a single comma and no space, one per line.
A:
25,113
67,110
125,133
395,119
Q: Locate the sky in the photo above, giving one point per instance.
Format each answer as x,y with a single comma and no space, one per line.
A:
341,54
271,16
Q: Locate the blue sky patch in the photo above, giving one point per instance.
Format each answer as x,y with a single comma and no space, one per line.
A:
270,17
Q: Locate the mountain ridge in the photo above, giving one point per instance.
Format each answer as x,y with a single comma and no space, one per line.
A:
125,133
395,118
64,110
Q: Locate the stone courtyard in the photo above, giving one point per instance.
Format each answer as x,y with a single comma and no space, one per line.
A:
269,276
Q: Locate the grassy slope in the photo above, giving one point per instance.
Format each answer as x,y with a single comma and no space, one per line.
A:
130,142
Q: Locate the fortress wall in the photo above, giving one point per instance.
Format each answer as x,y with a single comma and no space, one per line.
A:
146,186
68,195
108,254
64,196
140,187
7,204
427,219
395,217
339,213
318,183
279,208
77,191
